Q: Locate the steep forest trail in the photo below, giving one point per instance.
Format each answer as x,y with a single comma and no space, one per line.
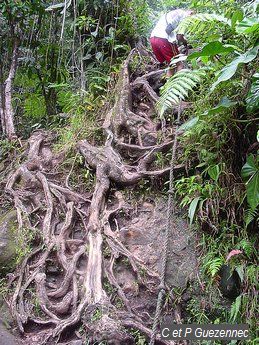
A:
93,274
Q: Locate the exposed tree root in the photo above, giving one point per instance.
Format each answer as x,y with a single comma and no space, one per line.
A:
64,274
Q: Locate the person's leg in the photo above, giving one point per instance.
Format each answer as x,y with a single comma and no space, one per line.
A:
171,50
156,47
165,51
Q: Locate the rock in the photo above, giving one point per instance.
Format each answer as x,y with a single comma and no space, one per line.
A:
8,226
7,325
230,283
6,338
5,314
149,139
143,234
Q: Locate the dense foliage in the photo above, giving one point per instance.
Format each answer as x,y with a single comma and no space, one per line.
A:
67,52
221,135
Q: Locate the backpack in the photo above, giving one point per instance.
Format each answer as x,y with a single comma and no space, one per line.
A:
169,27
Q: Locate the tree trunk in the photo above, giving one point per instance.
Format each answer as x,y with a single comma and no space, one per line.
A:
6,109
2,96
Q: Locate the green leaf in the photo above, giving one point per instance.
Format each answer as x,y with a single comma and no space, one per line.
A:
236,17
179,58
240,271
214,172
248,56
250,172
250,168
201,165
235,308
189,124
214,265
252,100
253,191
200,22
212,49
193,207
248,25
177,88
57,85
247,246
224,103
121,46
228,71
250,215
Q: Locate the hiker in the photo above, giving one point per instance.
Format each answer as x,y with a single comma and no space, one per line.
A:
164,37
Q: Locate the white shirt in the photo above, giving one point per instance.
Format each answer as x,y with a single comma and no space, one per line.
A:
173,17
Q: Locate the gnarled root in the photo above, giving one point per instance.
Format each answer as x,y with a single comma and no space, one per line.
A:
63,276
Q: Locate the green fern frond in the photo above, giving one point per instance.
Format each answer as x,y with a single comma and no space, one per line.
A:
201,23
68,101
34,106
214,266
250,215
247,247
177,88
235,309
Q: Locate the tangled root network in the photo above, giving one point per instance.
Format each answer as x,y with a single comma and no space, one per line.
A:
74,229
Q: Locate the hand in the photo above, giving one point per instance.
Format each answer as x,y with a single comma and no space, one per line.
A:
181,39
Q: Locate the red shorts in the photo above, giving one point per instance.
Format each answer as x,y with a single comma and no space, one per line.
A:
163,50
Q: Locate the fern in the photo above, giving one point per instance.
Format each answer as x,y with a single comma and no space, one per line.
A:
34,106
202,23
251,275
213,266
247,247
68,101
235,309
177,88
250,215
